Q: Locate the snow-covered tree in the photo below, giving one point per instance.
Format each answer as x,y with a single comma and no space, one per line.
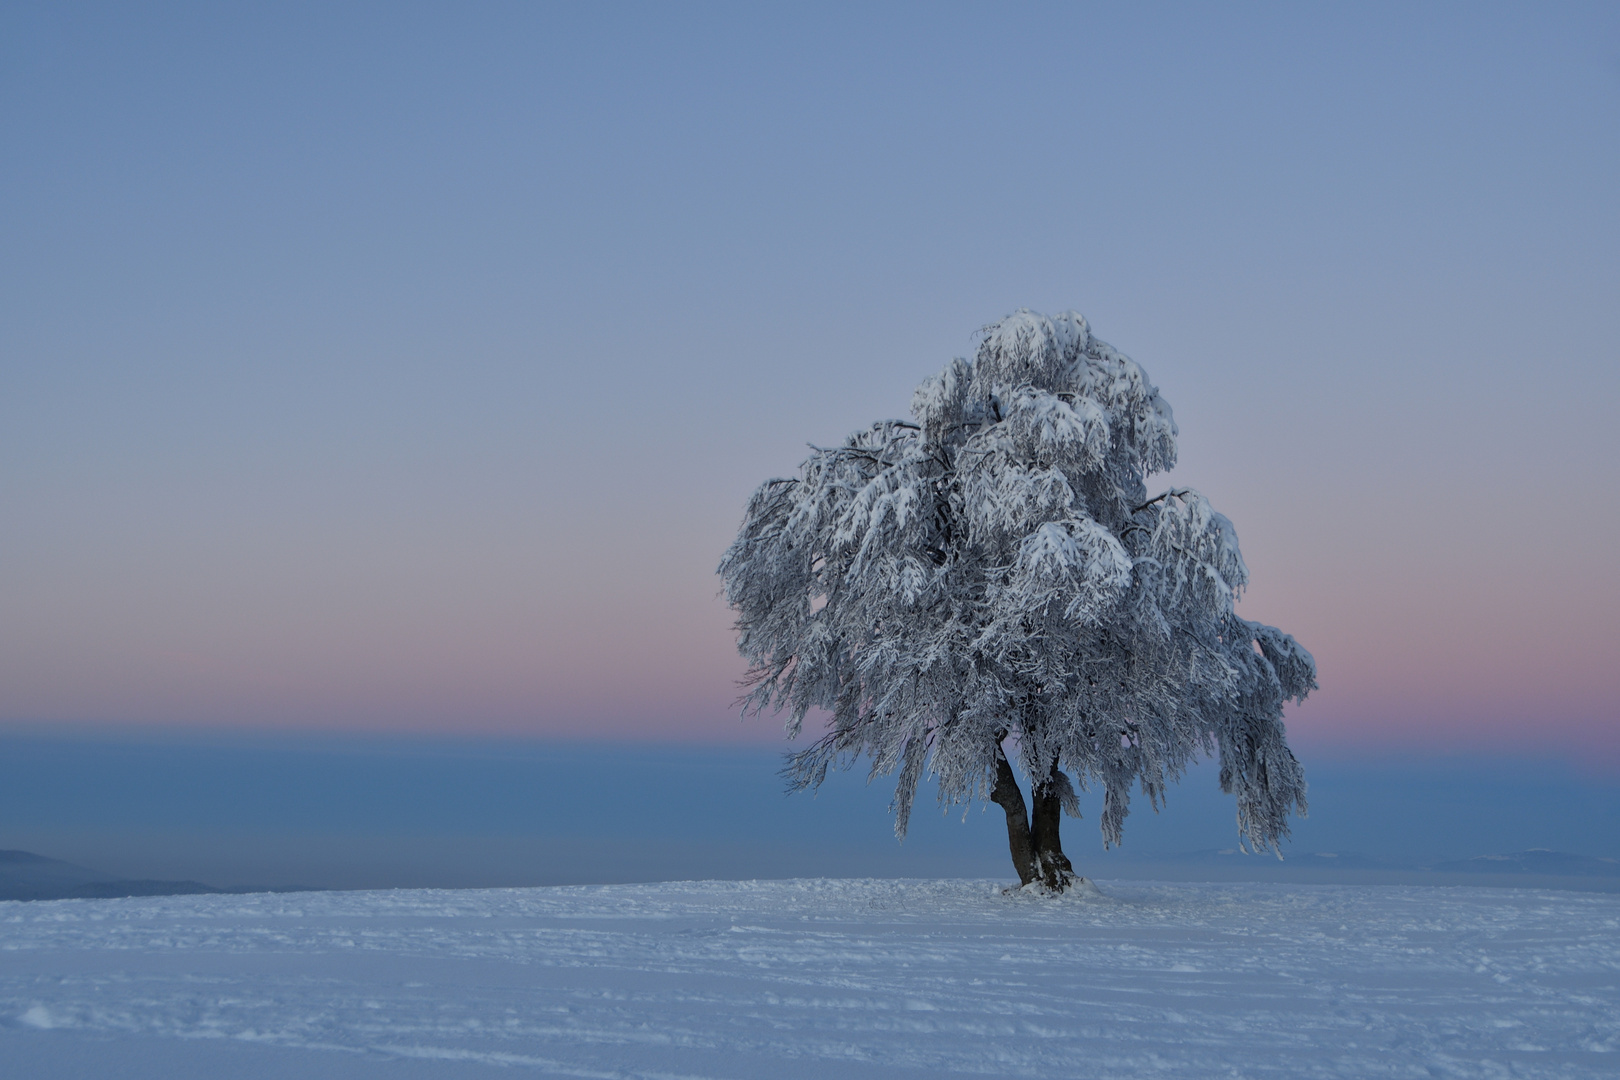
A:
996,568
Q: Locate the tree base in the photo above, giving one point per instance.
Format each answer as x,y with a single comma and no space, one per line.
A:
1052,868
1077,888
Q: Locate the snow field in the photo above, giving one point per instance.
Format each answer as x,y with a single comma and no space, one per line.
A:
817,978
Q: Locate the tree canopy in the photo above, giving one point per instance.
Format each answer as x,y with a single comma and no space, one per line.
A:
995,567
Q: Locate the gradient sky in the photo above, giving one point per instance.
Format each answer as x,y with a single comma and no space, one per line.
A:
406,368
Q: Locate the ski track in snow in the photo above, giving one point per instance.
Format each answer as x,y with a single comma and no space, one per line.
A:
848,978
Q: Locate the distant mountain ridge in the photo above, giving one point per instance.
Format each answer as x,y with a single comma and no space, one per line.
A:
1536,861
26,876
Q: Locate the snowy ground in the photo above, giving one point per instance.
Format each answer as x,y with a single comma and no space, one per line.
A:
817,978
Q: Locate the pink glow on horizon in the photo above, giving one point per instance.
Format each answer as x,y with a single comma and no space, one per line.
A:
613,637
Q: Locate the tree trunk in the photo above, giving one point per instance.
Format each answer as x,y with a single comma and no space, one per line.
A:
1052,867
1037,853
1007,796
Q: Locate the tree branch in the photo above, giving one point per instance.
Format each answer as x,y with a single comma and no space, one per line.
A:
1160,498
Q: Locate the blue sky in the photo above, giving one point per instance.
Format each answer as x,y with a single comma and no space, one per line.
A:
404,369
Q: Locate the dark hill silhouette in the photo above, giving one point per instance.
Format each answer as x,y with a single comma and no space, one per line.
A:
26,876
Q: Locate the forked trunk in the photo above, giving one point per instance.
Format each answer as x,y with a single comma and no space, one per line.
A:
1032,839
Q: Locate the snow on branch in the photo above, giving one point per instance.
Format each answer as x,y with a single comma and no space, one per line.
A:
998,566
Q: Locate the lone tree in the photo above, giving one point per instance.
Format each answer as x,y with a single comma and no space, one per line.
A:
996,568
